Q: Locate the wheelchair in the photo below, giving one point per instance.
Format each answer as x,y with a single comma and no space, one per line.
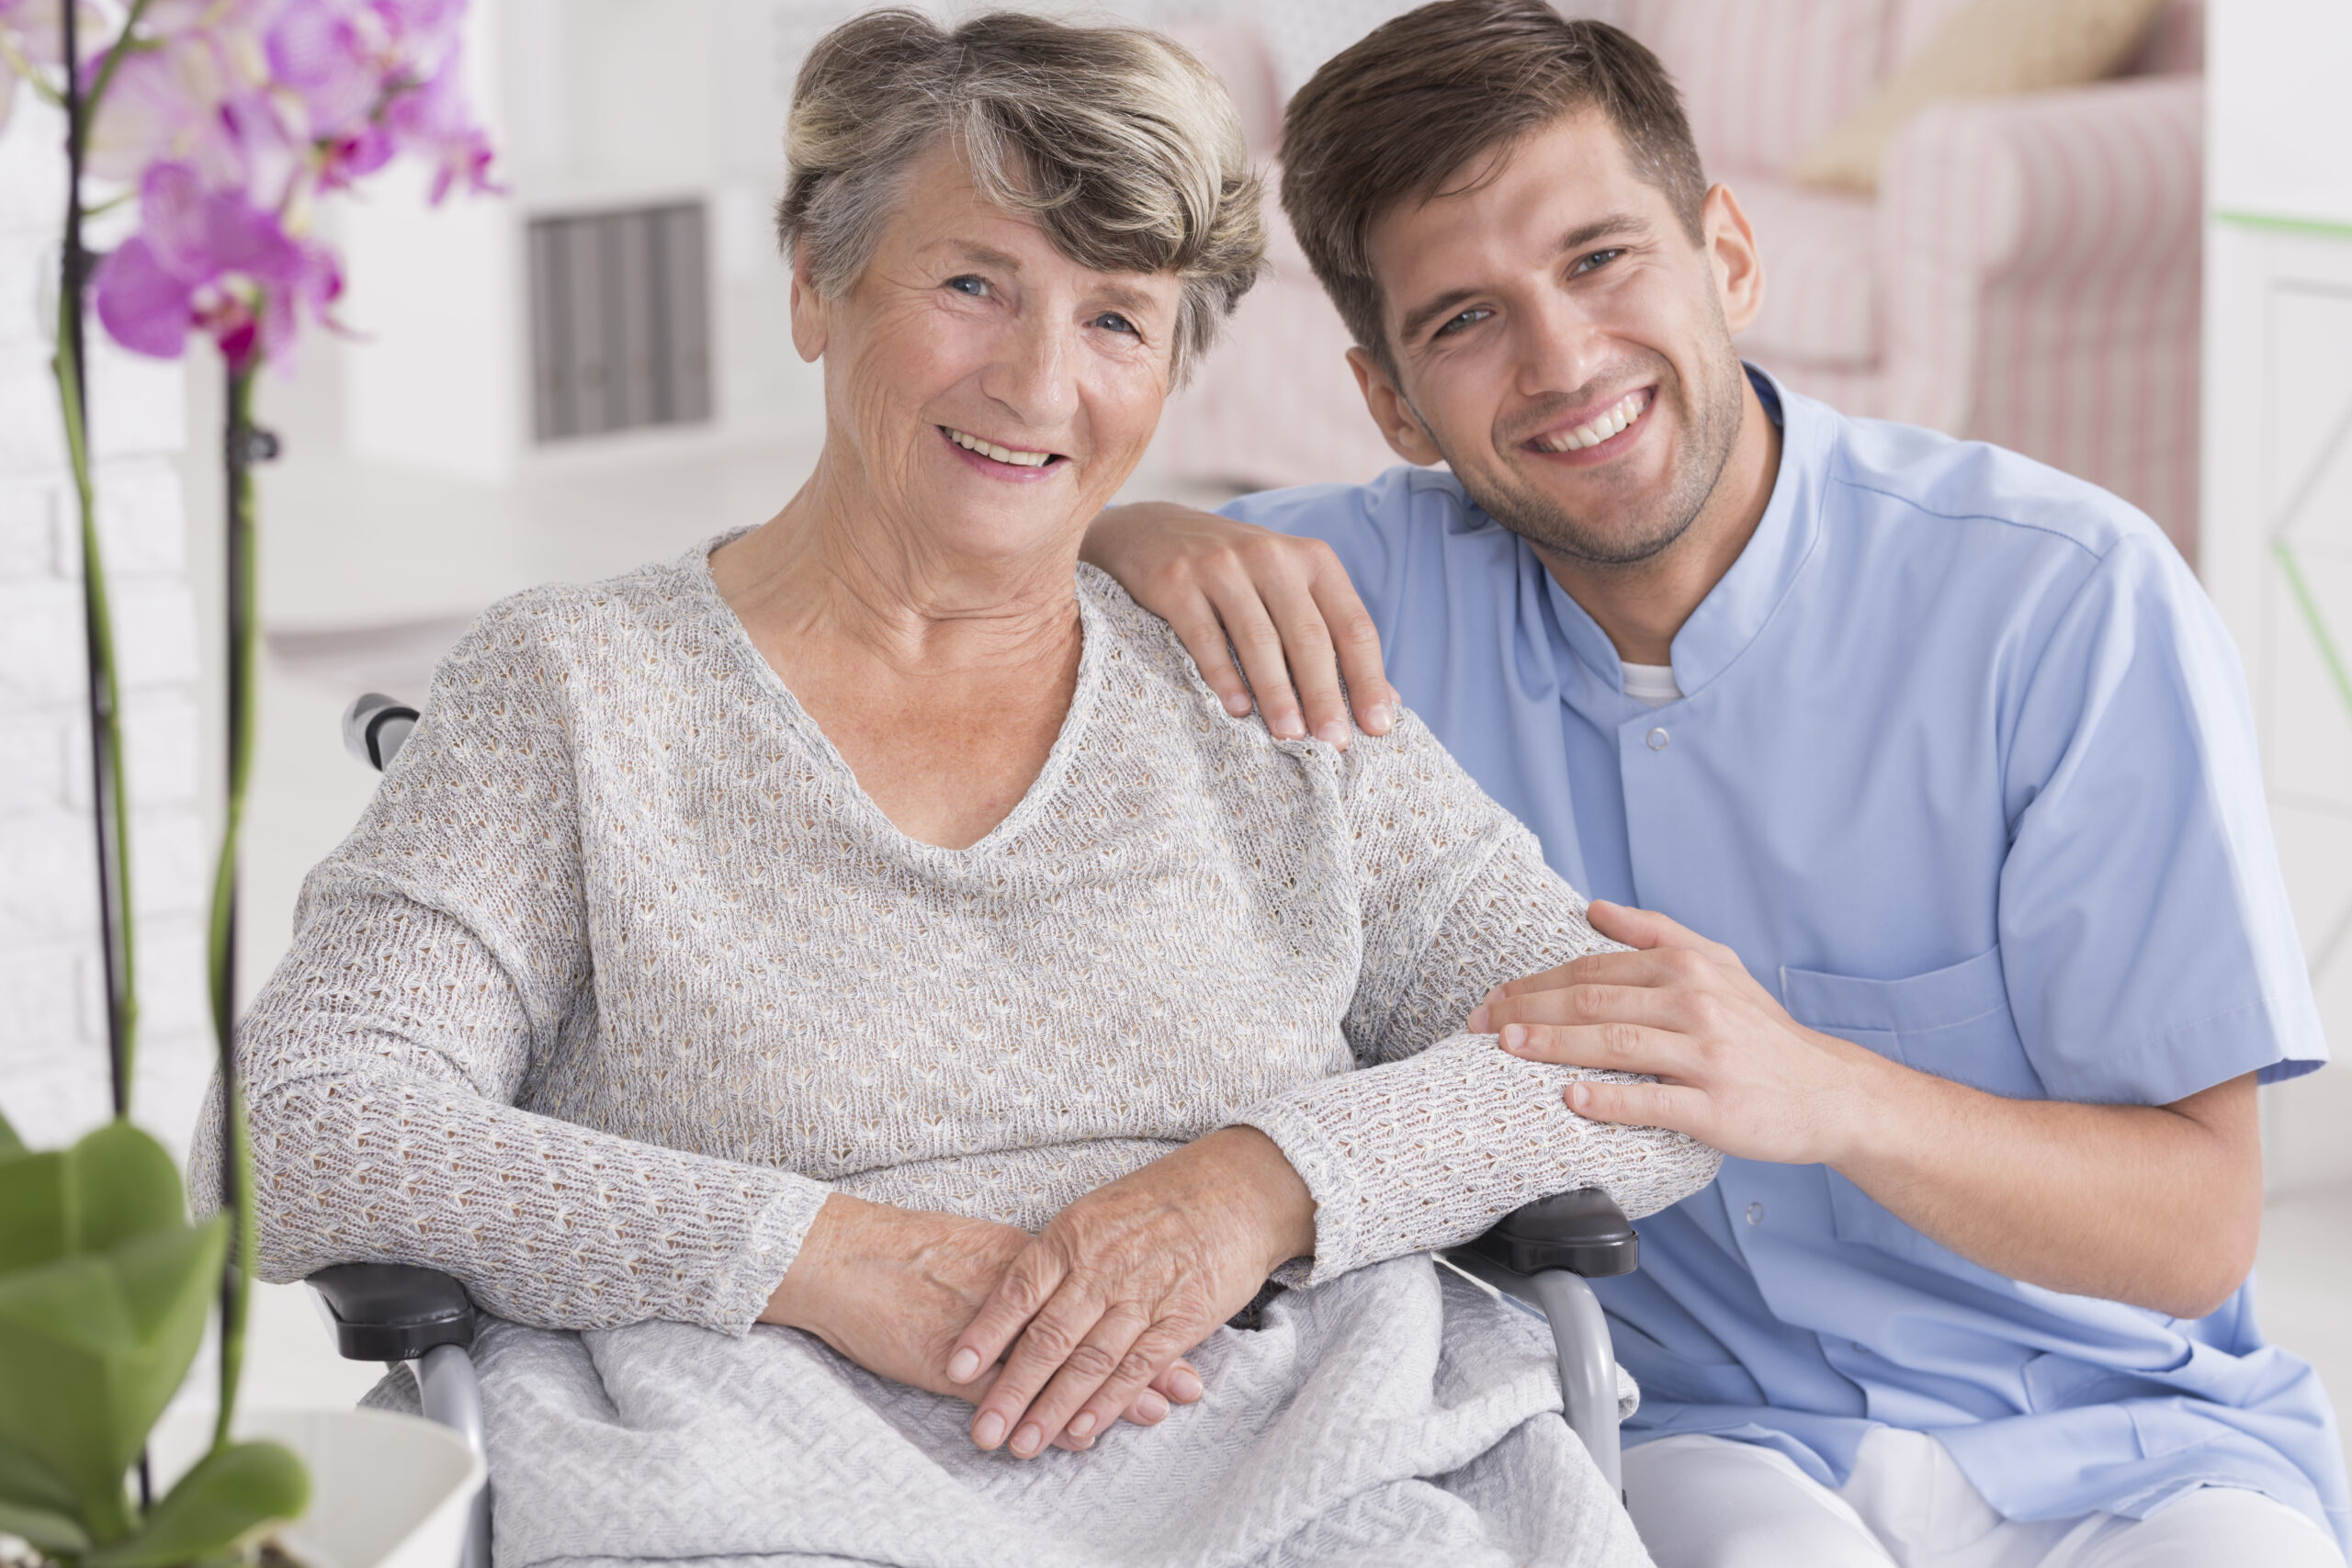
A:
1541,1256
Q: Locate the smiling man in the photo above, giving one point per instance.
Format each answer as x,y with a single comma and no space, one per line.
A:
1921,776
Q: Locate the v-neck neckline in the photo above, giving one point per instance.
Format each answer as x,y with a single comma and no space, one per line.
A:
737,638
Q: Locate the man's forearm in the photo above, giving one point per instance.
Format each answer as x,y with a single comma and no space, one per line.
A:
2156,1205
2159,1206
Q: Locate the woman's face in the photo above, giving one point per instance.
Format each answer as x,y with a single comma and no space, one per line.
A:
987,393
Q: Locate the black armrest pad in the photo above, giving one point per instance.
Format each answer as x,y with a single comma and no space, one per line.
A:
393,1312
1583,1232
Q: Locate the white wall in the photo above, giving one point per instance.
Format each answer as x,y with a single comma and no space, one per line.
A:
2278,471
53,1053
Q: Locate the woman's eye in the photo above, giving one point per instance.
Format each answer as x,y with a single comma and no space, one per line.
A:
977,287
1466,319
1111,320
1597,259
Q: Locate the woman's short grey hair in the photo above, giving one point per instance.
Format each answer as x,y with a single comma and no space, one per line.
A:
1119,144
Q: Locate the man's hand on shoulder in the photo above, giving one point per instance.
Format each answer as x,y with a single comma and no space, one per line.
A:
1285,604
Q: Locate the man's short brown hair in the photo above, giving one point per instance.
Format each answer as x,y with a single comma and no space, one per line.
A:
1408,112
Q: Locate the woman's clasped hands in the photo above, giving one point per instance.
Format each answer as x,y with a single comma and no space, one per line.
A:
1123,1283
1056,1336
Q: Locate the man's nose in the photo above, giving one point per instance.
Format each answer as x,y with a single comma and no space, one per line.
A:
1034,374
1559,348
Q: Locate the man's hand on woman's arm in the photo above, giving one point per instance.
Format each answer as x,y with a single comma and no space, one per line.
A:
891,1289
1285,604
2156,1205
1125,1280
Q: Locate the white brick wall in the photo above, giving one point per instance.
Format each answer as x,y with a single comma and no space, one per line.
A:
52,1028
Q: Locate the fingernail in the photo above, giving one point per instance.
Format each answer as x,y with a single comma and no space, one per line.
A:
1514,1036
1333,734
1378,717
1237,704
1477,1025
1187,1384
1083,1424
990,1431
1290,728
1028,1440
1578,1098
965,1367
1152,1406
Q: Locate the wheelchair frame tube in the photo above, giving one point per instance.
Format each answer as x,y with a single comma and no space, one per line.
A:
452,1398
1588,1373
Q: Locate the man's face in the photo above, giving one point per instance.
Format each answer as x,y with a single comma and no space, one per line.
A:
1563,345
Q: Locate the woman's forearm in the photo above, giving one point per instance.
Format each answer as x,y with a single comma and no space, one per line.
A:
1428,1151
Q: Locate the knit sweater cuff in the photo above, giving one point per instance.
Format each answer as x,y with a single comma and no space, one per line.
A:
770,1243
1330,1182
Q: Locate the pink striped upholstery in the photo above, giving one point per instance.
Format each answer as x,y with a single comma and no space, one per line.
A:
1762,80
1821,285
1274,404
2042,276
2030,274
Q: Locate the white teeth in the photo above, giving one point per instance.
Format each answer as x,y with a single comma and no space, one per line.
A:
1002,454
1627,410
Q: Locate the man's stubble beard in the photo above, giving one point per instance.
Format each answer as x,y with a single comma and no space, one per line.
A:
1631,533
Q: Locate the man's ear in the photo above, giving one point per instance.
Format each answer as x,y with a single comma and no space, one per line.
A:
1731,250
811,313
1399,425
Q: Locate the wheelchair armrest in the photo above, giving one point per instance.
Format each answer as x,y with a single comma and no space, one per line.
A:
393,1311
1583,1232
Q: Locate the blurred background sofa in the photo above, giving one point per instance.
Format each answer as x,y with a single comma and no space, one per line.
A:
2028,273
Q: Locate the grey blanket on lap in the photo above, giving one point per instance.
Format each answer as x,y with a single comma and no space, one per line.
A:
1393,1414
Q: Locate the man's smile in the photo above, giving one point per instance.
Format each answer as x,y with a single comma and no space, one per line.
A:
1584,432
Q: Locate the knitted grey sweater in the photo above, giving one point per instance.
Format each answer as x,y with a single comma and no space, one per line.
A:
621,973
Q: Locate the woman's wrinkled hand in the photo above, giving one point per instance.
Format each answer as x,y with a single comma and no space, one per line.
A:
1123,1282
1285,604
893,1290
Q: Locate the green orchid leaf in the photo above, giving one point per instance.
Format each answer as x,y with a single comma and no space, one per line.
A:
36,1506
93,1347
232,1494
43,1529
116,1184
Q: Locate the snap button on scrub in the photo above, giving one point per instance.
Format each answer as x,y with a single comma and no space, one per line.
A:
1658,739
1755,1213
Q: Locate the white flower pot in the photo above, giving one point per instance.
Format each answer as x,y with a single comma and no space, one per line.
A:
386,1490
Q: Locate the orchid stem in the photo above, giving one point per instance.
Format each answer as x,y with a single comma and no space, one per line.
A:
110,803
244,445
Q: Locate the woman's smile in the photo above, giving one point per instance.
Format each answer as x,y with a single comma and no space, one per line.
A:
1013,465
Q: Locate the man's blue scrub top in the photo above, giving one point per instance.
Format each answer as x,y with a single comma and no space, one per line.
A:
1964,772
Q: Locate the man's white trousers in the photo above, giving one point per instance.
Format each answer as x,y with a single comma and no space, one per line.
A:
1710,1503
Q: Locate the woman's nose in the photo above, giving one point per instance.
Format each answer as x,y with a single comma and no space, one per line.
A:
1034,375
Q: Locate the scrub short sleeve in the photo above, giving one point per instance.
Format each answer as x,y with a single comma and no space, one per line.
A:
2146,942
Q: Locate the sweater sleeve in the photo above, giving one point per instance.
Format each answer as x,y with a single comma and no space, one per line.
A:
1438,1133
440,959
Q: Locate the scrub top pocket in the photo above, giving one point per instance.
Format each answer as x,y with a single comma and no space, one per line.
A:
1953,1022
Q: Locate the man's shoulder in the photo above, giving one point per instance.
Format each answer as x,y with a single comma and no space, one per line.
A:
1402,500
1888,473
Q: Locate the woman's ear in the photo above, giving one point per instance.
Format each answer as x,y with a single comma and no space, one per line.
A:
1731,250
1399,425
812,312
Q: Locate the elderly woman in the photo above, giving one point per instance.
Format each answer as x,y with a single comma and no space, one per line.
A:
869,926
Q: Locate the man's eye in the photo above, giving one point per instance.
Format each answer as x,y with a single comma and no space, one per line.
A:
1597,259
1111,320
1466,319
977,287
